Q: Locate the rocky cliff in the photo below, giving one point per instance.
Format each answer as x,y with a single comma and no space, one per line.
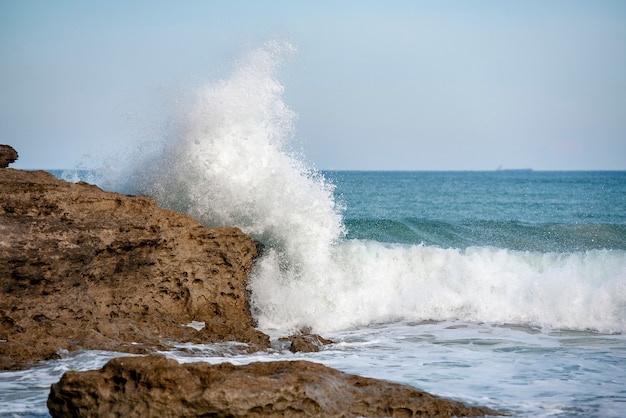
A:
84,268
156,387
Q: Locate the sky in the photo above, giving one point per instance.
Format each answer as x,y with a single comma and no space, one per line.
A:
377,85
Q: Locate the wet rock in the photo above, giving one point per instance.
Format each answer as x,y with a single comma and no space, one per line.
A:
7,155
84,268
305,342
154,386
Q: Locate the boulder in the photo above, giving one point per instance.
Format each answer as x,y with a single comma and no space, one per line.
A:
7,155
305,342
154,386
84,268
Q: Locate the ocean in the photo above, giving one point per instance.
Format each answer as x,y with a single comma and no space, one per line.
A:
499,288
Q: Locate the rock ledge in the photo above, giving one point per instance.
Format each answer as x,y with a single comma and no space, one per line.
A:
84,268
154,386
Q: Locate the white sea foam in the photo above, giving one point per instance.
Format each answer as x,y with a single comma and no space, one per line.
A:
368,282
229,163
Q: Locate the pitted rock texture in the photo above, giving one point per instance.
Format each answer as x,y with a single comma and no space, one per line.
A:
84,268
154,386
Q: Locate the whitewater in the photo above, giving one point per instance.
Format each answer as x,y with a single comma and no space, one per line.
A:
504,289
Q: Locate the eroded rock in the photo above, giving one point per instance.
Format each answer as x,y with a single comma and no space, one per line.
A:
154,386
84,268
7,155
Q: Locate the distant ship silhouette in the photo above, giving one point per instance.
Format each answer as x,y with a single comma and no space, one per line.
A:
503,168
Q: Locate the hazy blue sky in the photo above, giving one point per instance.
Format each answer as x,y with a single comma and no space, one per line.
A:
410,85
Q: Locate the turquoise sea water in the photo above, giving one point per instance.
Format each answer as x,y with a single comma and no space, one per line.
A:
517,210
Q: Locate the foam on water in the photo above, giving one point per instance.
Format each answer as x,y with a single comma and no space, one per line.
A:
522,370
515,369
229,162
369,282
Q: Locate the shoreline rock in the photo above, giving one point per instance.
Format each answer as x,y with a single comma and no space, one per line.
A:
81,268
7,155
305,342
154,386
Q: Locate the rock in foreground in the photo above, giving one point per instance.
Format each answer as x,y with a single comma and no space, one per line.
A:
84,268
154,386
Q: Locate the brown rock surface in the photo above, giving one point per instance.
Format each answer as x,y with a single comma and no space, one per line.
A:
305,342
7,155
154,386
83,268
